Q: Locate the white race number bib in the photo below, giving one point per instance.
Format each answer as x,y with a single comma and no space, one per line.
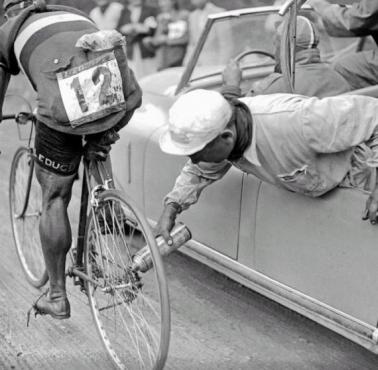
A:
92,90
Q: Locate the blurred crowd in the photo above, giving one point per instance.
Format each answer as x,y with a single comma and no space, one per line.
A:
158,37
159,34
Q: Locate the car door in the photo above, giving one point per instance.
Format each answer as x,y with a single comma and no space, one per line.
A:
320,247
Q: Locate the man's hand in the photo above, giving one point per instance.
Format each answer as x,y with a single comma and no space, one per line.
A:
371,207
127,29
232,74
167,221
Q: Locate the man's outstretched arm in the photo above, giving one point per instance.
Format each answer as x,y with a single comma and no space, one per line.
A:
192,180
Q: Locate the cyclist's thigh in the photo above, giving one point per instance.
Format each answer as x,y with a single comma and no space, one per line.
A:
54,186
58,158
57,152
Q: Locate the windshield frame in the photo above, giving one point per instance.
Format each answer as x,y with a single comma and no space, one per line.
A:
186,80
204,35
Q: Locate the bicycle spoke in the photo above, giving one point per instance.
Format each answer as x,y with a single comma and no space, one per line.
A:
128,306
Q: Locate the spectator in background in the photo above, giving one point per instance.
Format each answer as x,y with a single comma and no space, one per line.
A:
107,14
360,19
84,5
139,21
312,76
197,21
272,19
171,37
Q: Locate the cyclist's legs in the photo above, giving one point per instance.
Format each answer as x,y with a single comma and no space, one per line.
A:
54,228
57,159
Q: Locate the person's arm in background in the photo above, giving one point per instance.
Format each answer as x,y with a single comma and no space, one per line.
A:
145,27
147,24
232,76
158,38
193,179
359,19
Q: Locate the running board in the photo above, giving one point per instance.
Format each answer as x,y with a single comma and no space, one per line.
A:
341,323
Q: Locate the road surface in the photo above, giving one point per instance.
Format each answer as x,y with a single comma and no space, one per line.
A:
217,324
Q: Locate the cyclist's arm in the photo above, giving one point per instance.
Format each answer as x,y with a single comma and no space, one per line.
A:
4,82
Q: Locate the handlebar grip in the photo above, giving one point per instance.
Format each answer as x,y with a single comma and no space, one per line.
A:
9,116
21,117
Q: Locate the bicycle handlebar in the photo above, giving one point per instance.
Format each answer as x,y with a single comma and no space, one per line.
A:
22,117
9,116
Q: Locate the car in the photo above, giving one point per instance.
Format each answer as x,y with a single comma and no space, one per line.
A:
315,256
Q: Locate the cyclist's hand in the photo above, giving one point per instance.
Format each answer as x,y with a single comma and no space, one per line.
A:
371,208
99,145
167,222
95,152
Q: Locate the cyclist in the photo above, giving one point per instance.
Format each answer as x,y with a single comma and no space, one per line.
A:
86,93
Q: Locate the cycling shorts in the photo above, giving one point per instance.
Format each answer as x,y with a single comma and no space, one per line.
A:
61,153
56,151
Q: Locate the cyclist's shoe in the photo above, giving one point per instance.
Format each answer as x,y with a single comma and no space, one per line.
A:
58,308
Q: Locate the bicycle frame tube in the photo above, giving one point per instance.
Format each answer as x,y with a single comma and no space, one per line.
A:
83,215
107,181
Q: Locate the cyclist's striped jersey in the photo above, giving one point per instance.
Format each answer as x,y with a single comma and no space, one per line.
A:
45,32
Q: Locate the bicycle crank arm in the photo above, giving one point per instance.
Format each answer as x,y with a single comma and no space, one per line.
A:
76,272
121,286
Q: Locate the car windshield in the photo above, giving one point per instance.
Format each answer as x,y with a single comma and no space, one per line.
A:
231,35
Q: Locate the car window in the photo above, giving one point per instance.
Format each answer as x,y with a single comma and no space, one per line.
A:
229,36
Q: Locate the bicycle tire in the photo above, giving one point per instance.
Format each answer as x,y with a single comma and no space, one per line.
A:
131,311
25,204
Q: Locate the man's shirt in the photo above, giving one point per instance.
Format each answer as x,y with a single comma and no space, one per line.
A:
299,143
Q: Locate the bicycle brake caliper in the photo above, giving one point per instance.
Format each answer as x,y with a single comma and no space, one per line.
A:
97,190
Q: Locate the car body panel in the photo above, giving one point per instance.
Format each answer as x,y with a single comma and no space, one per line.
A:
320,247
315,256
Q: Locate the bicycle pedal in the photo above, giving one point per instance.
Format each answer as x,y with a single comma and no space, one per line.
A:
77,281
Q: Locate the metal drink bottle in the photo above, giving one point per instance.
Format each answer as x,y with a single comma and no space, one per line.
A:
142,260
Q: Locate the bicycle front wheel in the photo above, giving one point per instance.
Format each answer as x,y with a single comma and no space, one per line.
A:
131,310
25,203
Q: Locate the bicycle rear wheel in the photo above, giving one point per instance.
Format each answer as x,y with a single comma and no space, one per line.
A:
25,203
131,310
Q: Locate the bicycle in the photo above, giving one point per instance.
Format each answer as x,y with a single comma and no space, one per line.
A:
130,306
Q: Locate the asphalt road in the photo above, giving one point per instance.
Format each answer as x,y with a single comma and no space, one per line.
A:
217,324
